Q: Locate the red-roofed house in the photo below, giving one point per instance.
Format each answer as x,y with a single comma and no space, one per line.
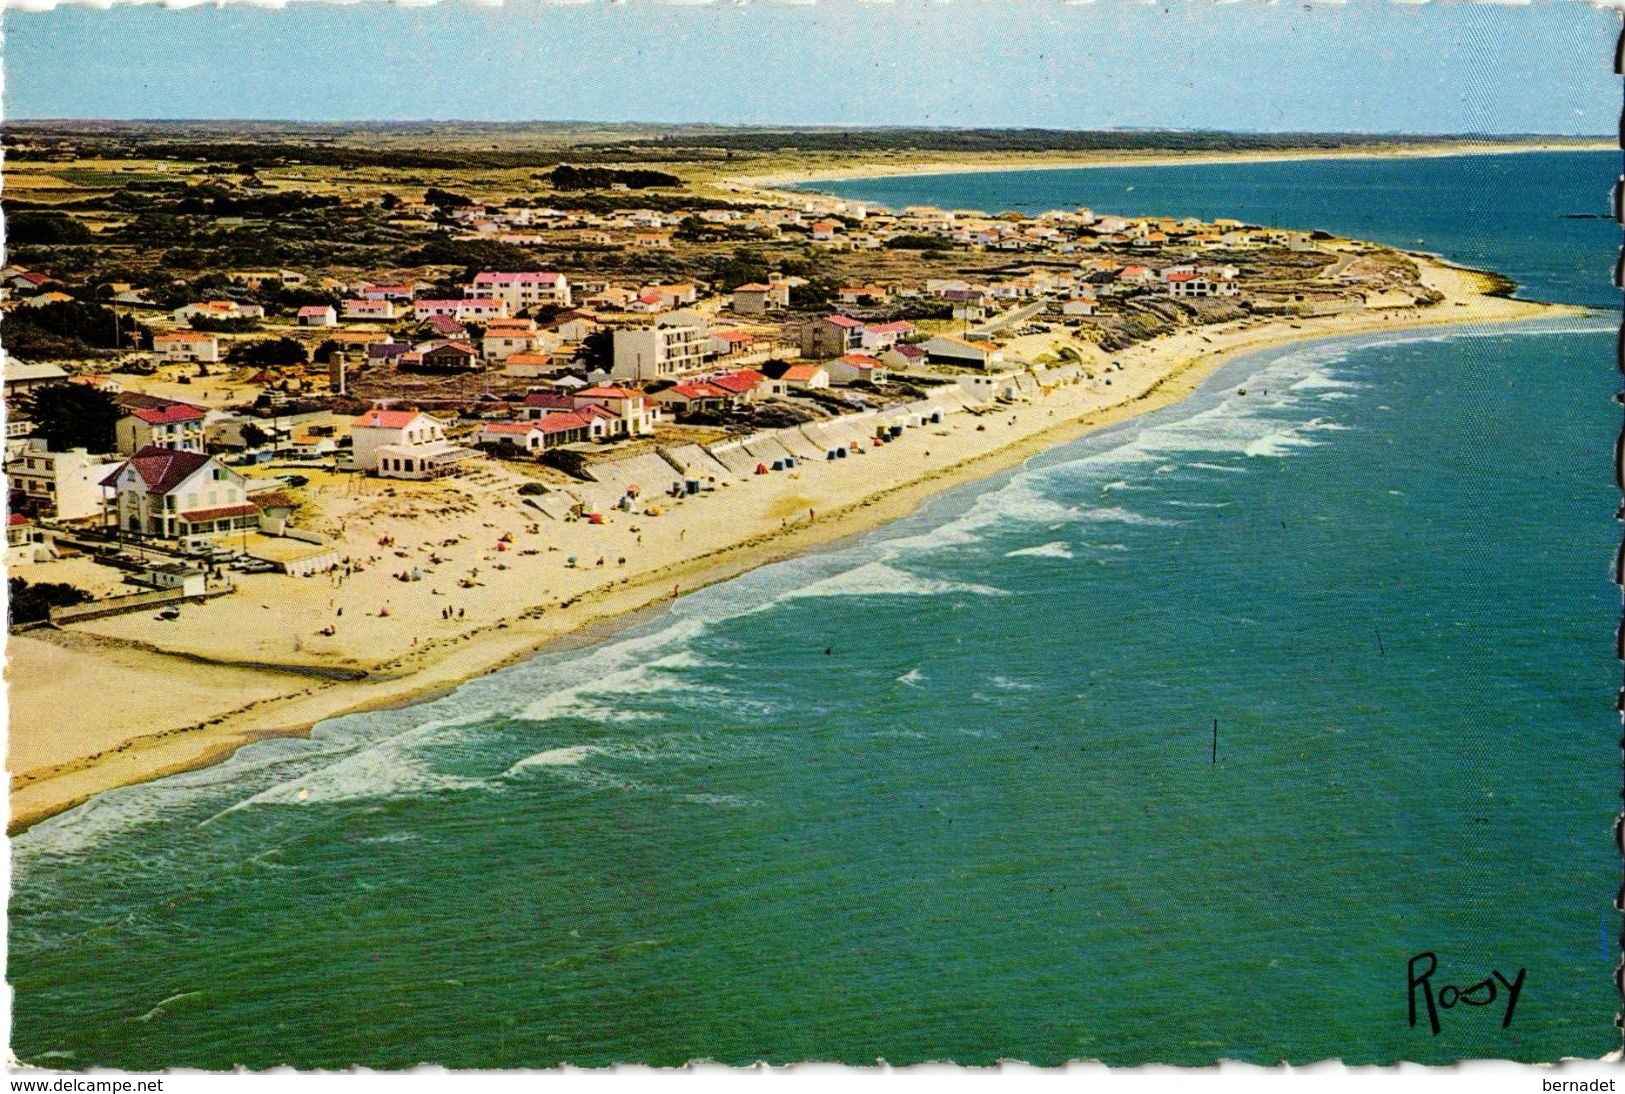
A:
218,309
685,398
464,309
632,414
506,337
402,444
446,326
539,404
379,290
903,356
725,343
878,337
149,421
525,436
805,377
1191,283
318,315
568,427
853,367
757,299
450,356
648,303
863,294
745,385
376,311
831,336
168,493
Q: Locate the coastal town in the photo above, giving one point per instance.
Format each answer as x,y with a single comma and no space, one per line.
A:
272,436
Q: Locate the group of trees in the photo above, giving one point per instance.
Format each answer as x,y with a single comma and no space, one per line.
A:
474,255
31,602
566,177
223,325
73,416
266,352
69,328
45,229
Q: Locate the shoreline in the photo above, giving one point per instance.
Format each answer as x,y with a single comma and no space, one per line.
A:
959,164
1157,374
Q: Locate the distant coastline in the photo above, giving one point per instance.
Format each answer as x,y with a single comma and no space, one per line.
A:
901,165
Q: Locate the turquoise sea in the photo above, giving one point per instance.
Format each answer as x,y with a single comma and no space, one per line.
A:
945,792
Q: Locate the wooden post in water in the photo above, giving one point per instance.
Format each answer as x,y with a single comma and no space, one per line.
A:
1215,742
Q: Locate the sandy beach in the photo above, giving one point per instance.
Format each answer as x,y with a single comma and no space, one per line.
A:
958,163
495,583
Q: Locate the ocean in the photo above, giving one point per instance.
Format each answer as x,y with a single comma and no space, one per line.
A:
948,791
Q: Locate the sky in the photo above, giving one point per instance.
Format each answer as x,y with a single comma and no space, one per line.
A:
1365,66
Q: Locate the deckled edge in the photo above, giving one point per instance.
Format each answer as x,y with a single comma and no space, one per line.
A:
1619,558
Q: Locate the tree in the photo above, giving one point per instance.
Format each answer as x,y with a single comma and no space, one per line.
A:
390,201
743,268
599,348
268,351
49,229
30,603
254,436
221,325
74,416
444,199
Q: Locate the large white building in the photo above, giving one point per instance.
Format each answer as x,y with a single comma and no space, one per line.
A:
659,353
403,444
521,290
66,485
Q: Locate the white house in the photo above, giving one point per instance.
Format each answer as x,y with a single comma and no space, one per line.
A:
186,345
402,444
507,337
879,337
805,377
149,421
318,315
633,415
480,309
376,311
168,493
525,436
854,367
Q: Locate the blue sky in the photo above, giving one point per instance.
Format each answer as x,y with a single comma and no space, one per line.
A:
1364,66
